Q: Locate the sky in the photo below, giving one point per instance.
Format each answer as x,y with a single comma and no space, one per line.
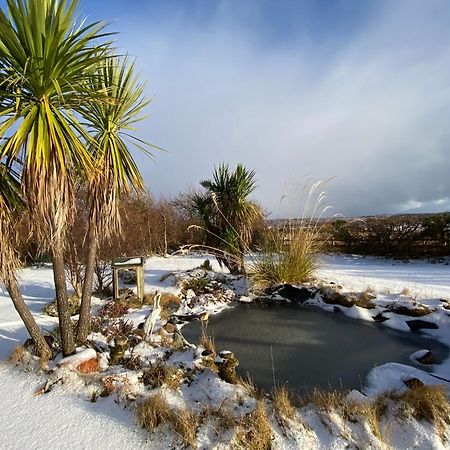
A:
353,90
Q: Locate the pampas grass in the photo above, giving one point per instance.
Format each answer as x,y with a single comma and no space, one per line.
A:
290,255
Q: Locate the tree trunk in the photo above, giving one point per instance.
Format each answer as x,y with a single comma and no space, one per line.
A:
40,343
65,324
84,323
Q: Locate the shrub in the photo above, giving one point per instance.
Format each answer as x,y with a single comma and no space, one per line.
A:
226,214
155,411
51,309
161,374
289,254
256,432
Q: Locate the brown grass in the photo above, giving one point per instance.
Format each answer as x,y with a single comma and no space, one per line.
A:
224,419
282,403
250,387
255,431
429,403
152,412
365,299
207,342
18,355
161,374
155,411
351,410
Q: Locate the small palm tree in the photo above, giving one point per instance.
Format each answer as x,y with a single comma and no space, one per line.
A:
111,124
45,57
11,204
226,213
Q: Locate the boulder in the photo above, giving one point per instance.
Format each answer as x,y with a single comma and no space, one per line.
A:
295,294
413,383
427,358
416,325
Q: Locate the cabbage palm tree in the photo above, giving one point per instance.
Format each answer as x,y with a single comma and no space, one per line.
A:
226,213
45,56
11,204
111,125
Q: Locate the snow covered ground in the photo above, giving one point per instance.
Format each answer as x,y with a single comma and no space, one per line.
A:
61,419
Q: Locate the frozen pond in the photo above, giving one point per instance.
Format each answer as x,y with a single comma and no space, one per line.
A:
306,347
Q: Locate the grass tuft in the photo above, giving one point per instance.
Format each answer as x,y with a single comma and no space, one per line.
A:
282,403
290,255
255,431
18,355
155,411
161,374
429,403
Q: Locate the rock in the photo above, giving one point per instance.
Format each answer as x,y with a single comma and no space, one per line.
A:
380,318
85,361
416,325
89,366
419,311
119,349
226,362
413,383
336,298
296,294
427,358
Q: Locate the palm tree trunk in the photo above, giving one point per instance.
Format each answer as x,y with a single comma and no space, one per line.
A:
65,324
84,322
40,343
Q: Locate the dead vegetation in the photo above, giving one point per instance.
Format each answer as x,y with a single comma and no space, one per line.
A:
282,403
429,403
155,411
255,431
161,374
207,342
18,356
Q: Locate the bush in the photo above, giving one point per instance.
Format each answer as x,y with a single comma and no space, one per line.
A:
289,255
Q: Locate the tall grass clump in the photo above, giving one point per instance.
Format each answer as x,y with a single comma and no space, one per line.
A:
290,254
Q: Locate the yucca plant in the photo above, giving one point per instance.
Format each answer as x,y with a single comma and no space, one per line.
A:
290,254
46,53
111,124
226,214
11,205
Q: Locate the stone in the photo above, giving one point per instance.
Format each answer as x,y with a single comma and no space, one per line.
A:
295,294
226,362
380,318
416,325
413,383
89,366
119,349
427,358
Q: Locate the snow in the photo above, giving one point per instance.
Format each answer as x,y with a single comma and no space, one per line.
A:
66,418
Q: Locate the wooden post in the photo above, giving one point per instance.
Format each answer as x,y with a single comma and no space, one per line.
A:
140,282
116,283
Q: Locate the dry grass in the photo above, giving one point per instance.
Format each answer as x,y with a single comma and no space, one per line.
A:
152,412
429,403
365,298
18,355
207,342
351,410
405,292
155,411
282,403
290,255
224,418
161,374
255,431
250,387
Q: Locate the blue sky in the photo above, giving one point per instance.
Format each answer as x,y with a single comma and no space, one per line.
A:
353,89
